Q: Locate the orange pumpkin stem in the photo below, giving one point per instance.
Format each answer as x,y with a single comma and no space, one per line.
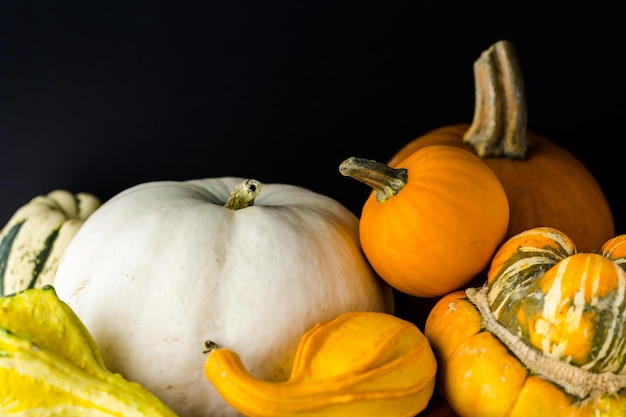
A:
500,116
243,195
384,180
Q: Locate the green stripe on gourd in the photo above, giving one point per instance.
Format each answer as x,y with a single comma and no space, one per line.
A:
34,239
5,247
42,257
566,305
513,270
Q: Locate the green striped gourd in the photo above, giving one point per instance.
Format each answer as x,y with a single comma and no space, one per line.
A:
33,240
544,336
567,305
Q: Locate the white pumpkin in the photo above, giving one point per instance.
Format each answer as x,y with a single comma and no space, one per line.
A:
163,267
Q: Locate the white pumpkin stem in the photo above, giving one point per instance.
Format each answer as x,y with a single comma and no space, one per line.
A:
500,116
574,380
243,195
210,346
384,180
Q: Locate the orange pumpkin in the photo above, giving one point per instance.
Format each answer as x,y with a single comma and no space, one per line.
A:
543,337
433,222
546,185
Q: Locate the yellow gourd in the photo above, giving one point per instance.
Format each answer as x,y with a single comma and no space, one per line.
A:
359,364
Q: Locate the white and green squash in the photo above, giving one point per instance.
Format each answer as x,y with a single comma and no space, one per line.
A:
35,237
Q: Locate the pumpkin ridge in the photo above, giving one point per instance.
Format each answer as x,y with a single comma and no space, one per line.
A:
614,249
77,204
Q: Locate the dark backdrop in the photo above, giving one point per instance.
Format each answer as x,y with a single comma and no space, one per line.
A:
101,95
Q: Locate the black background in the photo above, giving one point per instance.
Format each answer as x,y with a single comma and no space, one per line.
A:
98,96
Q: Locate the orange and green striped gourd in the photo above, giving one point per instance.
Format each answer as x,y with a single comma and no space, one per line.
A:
544,336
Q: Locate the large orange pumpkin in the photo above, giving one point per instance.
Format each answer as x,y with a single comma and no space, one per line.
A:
432,223
546,185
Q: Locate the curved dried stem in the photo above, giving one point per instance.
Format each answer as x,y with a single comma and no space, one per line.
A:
500,116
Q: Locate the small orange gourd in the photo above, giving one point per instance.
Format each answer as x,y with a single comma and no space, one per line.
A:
433,222
546,185
359,364
543,337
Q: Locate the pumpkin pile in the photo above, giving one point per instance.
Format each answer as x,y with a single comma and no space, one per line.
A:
222,297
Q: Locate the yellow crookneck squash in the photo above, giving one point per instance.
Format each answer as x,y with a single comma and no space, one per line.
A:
546,185
165,265
433,222
50,365
360,364
545,335
35,237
